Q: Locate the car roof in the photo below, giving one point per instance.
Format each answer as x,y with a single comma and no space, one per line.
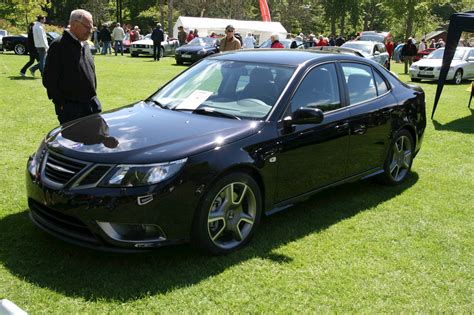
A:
291,57
363,42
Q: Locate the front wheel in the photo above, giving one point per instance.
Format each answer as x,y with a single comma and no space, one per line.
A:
399,159
415,80
228,215
458,77
19,49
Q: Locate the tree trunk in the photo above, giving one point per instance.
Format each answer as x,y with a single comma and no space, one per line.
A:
170,18
410,18
343,25
333,24
162,17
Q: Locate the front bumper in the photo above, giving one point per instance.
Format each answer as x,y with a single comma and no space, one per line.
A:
113,219
187,57
141,51
429,74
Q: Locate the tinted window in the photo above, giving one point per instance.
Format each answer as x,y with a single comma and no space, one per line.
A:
471,53
319,89
360,82
381,85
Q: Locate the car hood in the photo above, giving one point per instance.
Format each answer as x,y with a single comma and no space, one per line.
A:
143,42
144,133
435,62
193,48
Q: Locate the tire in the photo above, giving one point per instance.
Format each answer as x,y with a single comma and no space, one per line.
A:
458,77
179,61
134,55
415,80
399,159
20,49
387,65
228,215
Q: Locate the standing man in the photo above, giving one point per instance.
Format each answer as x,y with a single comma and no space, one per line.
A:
41,42
32,52
182,35
229,42
105,38
157,37
249,41
408,53
389,47
69,74
118,34
275,38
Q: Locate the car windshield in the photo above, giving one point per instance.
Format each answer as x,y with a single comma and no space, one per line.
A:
438,54
239,89
372,37
202,41
366,49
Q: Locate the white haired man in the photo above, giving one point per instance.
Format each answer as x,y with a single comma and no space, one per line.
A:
69,74
275,38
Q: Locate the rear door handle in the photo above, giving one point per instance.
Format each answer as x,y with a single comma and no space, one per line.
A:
341,127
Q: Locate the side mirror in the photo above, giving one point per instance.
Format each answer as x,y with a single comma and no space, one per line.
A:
470,59
376,53
305,115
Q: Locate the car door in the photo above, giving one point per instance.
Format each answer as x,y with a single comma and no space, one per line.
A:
469,64
370,108
314,155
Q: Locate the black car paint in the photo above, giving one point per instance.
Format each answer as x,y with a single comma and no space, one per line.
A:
349,136
192,52
9,42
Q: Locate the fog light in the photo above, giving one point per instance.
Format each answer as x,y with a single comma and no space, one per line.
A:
133,232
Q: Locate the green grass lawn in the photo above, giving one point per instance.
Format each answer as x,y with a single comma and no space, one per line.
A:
359,247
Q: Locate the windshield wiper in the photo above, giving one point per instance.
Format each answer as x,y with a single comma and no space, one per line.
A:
158,103
211,112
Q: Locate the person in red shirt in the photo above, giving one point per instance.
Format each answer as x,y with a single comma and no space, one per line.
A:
190,36
275,38
322,41
389,46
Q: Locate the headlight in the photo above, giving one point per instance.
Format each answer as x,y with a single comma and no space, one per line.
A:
413,67
201,52
35,160
142,175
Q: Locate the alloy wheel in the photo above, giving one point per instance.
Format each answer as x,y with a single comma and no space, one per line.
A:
401,158
458,77
232,215
20,49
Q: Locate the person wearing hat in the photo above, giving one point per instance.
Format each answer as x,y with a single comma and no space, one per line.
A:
40,40
157,36
229,42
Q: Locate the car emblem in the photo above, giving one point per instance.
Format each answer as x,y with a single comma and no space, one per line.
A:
143,200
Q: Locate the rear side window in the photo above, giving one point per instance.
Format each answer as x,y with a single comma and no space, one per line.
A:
381,85
360,82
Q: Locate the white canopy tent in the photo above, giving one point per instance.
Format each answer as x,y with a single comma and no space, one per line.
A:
261,30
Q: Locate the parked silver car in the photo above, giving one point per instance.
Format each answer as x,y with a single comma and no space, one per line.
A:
145,46
371,50
462,66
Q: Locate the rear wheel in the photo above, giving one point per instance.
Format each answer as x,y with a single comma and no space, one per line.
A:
19,49
228,216
134,55
399,159
179,61
458,77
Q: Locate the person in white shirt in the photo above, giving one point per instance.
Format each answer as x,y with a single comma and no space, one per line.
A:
422,46
249,41
41,42
118,34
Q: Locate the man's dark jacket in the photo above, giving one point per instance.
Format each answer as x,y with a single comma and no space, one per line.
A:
69,73
104,35
157,36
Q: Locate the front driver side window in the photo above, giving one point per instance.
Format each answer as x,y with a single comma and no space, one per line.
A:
319,89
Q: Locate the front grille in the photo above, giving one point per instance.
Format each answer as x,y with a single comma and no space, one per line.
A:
140,46
426,68
94,176
61,223
60,169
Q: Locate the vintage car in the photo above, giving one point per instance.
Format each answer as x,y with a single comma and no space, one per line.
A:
145,47
196,49
203,158
462,66
18,43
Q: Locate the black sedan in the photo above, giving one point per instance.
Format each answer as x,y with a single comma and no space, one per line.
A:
18,43
196,49
213,150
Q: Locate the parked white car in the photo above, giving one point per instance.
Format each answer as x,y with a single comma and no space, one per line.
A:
2,33
462,66
371,50
145,46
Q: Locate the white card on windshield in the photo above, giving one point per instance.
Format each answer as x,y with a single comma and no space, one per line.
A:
194,100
